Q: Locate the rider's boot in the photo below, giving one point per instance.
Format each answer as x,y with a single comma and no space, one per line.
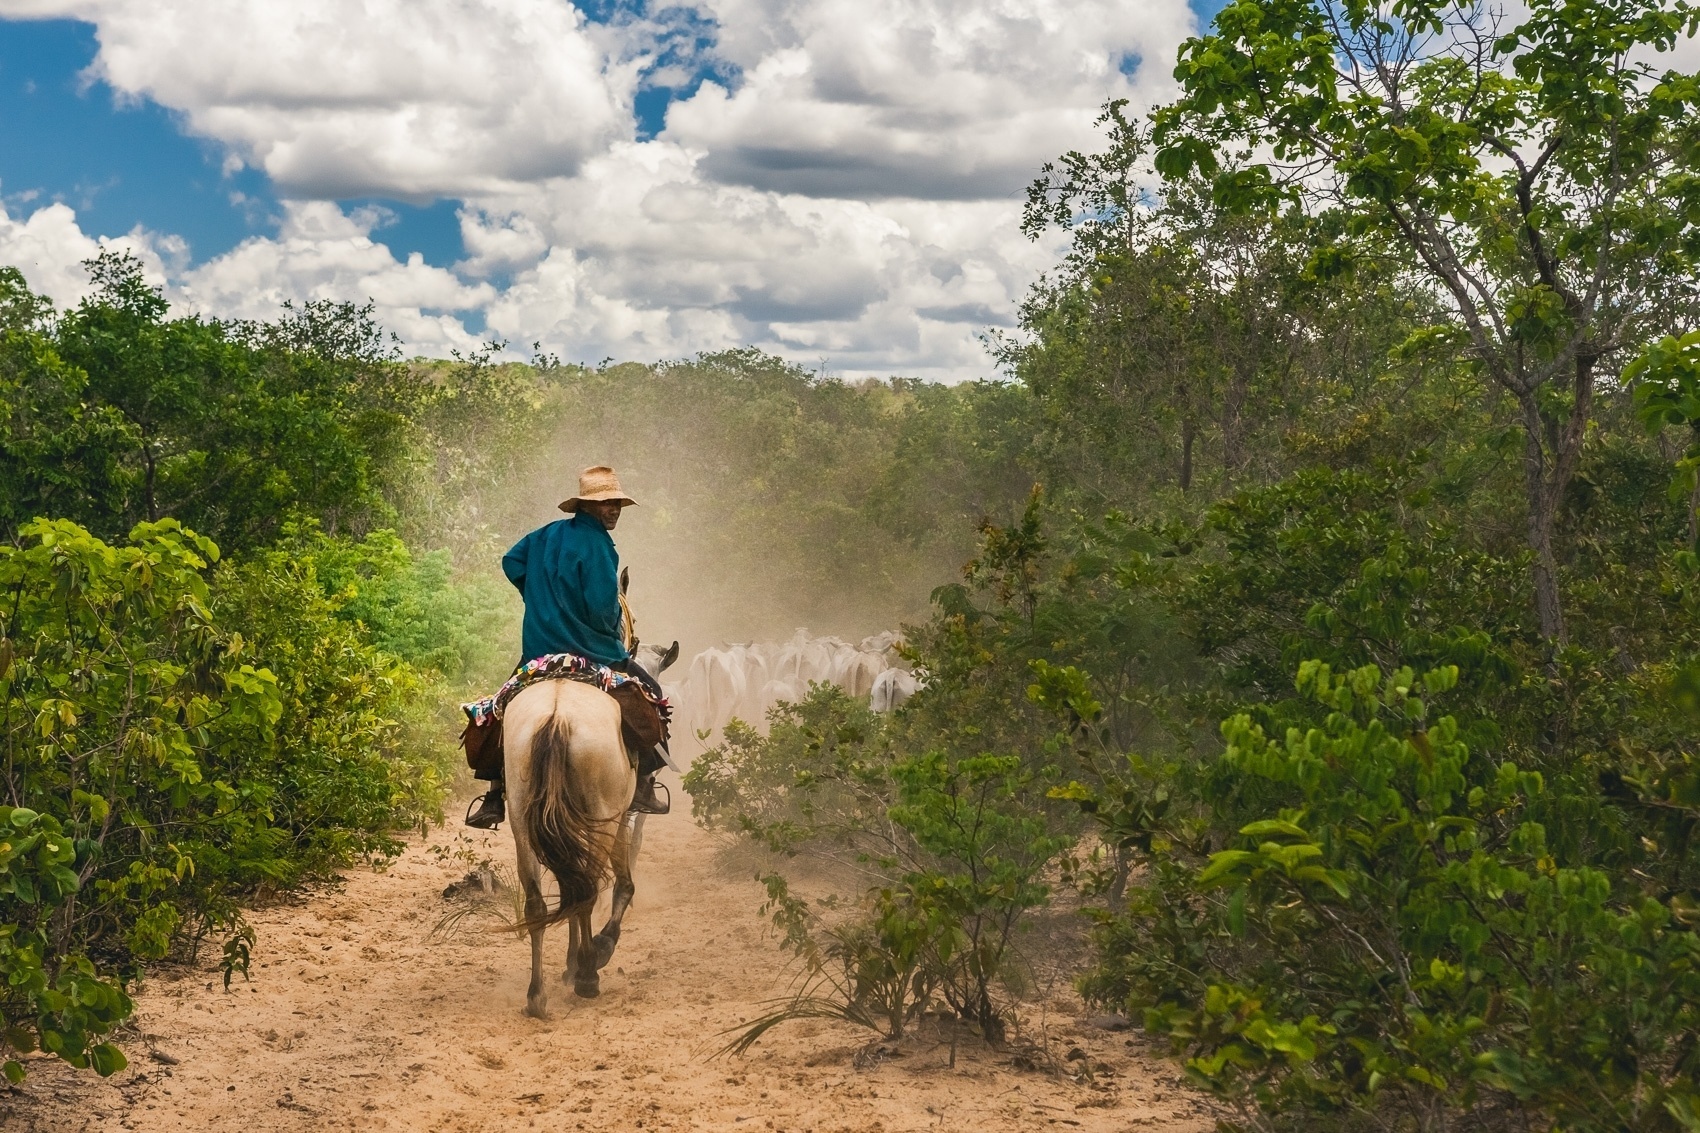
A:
491,812
644,799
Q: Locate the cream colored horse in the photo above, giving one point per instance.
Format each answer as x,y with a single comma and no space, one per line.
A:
569,784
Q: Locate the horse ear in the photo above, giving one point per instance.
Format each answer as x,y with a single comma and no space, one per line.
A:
669,657
625,578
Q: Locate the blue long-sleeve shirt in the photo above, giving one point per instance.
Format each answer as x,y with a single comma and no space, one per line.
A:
568,573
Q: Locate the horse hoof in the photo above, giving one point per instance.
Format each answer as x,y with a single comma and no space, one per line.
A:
587,989
604,950
538,1009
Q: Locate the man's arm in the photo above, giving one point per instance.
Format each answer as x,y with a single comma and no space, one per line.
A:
514,562
599,578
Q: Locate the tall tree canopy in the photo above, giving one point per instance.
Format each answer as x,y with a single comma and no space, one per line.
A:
117,413
1538,175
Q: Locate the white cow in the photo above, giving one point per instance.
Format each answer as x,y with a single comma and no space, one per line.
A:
892,688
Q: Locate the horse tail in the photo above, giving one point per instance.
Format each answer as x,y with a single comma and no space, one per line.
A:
561,832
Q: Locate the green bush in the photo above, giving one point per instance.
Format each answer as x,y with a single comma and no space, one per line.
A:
1540,840
1394,943
357,751
413,606
954,851
174,737
819,781
121,697
984,843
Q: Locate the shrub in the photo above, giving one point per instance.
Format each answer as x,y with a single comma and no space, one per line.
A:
174,737
819,781
955,847
1386,937
411,605
352,757
119,696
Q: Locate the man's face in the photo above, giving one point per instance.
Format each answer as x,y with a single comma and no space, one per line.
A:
607,512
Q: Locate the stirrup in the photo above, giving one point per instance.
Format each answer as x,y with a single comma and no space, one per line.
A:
663,803
478,803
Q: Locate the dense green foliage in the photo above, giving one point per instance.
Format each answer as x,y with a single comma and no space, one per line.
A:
119,415
1330,624
1536,176
184,731
172,764
1356,618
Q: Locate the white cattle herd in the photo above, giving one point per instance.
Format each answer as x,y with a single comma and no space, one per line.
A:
746,681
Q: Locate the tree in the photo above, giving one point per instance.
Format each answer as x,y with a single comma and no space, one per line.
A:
227,427
21,308
1538,178
1178,324
59,455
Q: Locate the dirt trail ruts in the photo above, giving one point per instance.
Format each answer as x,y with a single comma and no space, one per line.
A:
355,1019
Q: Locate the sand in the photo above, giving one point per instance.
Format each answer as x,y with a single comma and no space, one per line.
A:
358,1016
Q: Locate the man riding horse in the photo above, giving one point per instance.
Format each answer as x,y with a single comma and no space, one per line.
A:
568,574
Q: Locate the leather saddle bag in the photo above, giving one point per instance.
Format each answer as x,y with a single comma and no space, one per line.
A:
483,744
639,719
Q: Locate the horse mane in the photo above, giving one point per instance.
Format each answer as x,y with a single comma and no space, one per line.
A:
561,832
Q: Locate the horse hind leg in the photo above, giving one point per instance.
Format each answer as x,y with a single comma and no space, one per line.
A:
587,984
536,995
624,858
608,939
573,950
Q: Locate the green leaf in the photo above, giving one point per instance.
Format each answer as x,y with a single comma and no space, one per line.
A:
1265,827
1334,879
97,806
107,1059
1225,862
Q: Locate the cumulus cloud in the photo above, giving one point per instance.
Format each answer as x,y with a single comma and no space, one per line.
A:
944,99
49,247
648,259
406,98
321,252
845,187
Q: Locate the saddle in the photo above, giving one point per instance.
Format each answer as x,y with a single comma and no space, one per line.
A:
641,727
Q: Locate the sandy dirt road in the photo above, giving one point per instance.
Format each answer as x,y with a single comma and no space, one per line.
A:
356,1018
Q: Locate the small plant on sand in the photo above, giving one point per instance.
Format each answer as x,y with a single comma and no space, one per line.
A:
879,968
954,850
489,892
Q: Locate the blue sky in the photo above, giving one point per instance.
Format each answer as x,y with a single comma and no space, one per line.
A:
122,163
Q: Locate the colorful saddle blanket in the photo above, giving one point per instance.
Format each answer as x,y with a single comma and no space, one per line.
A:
561,666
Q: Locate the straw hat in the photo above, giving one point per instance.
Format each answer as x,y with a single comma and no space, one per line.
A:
597,482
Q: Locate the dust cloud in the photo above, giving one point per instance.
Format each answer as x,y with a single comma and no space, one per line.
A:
766,503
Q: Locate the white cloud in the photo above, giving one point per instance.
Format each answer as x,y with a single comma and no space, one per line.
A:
951,99
49,248
321,252
649,260
851,197
409,98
